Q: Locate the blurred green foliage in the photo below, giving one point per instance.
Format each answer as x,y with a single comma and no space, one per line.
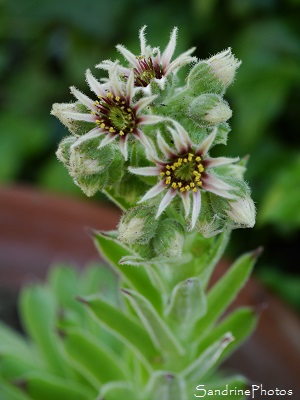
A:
47,46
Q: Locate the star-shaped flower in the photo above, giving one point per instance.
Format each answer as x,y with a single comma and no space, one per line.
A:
151,65
116,114
185,171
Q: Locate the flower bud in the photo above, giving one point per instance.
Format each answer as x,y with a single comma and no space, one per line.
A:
242,212
61,110
63,151
224,66
91,168
138,225
209,109
169,239
215,74
86,159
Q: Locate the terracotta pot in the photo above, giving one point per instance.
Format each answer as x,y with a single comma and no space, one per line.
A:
37,229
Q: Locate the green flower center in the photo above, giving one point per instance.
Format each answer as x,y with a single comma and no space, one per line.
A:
184,173
115,115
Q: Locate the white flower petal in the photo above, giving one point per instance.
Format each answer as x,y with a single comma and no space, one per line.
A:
207,142
171,193
144,140
144,102
212,180
108,138
180,143
80,116
169,50
94,133
94,85
183,135
129,87
149,119
186,200
143,42
196,207
85,100
218,191
130,57
179,62
145,171
123,146
164,147
217,162
154,191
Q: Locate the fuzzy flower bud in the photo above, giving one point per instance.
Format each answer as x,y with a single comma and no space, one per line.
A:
138,225
224,66
169,239
242,212
209,109
215,74
63,151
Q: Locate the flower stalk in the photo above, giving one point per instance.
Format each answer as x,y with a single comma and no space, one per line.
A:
153,329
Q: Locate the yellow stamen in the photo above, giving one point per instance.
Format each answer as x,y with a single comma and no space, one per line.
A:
162,174
198,158
168,173
194,189
102,125
168,180
117,98
121,133
111,129
174,185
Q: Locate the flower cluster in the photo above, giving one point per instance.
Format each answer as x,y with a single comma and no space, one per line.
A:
144,138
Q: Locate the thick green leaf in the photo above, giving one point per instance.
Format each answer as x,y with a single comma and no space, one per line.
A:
166,386
13,366
240,323
13,343
47,387
204,254
160,333
187,304
118,390
123,326
206,360
226,289
10,392
92,357
112,250
38,311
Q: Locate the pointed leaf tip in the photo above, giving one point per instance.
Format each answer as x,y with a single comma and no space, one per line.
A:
126,292
228,338
257,252
81,300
